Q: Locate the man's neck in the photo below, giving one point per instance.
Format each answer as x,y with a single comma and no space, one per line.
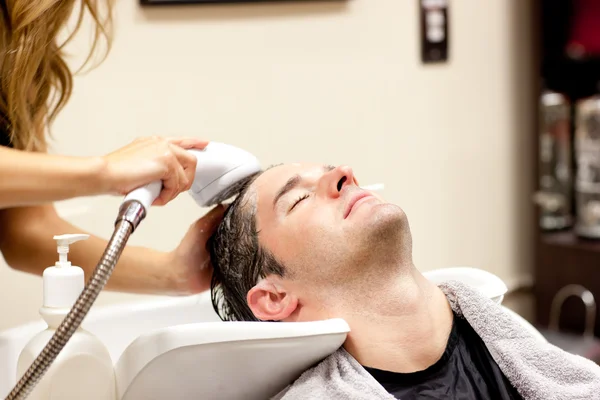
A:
402,325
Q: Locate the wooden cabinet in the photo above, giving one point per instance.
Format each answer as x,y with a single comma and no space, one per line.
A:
562,258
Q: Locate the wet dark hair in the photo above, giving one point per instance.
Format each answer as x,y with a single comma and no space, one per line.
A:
237,258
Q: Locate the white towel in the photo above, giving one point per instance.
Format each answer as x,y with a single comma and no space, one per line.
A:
538,370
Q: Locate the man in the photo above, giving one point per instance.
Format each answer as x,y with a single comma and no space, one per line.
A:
304,242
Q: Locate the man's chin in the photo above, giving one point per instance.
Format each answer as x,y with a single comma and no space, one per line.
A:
386,213
383,223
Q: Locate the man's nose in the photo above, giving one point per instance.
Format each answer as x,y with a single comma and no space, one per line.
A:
337,179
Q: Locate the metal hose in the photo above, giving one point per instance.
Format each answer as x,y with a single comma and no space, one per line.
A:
131,214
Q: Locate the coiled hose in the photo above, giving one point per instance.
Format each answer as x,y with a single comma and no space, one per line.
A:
131,214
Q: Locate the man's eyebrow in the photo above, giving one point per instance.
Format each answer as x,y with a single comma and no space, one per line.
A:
292,183
289,185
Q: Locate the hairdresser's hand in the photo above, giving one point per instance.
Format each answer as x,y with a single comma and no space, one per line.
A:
190,261
150,159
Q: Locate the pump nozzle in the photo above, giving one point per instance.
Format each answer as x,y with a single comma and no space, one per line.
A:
63,282
62,246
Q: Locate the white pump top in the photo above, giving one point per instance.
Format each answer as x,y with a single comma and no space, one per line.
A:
63,283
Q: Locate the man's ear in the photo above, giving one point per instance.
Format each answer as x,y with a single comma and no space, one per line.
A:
270,302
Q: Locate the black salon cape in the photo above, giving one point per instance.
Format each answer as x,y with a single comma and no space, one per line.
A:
466,371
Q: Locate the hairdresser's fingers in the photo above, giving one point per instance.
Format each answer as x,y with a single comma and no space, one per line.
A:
172,186
192,265
188,142
182,173
211,220
204,227
170,179
188,162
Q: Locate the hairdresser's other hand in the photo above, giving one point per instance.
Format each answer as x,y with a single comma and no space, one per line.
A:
150,159
190,261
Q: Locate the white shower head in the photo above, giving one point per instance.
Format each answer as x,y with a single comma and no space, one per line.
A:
219,171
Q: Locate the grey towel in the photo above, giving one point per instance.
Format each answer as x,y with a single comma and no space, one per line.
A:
538,370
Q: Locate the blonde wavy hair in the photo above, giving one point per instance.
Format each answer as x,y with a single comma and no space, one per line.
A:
36,82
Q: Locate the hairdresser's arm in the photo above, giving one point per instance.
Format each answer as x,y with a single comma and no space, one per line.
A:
32,178
37,178
27,245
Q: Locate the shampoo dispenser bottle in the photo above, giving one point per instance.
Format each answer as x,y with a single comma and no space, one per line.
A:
84,368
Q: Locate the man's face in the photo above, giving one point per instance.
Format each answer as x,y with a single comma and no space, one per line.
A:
319,224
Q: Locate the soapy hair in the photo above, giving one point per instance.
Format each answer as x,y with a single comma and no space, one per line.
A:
238,260
35,81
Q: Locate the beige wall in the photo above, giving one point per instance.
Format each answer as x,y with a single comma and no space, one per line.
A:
337,82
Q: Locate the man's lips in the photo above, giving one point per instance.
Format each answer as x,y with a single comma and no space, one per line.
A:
353,200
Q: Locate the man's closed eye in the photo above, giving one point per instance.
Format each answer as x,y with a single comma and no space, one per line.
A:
298,200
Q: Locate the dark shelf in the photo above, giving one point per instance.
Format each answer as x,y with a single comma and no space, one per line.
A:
561,258
570,239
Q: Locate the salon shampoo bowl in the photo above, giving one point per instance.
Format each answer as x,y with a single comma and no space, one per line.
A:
224,360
